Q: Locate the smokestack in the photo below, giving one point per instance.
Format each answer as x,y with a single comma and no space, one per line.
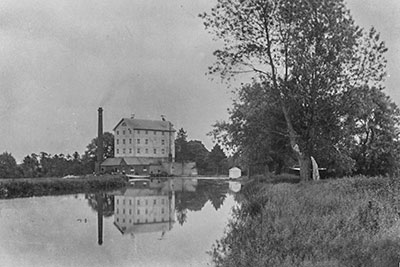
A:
99,141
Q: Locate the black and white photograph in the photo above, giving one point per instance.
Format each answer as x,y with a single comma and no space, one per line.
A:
191,133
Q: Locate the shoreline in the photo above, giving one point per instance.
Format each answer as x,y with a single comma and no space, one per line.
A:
29,187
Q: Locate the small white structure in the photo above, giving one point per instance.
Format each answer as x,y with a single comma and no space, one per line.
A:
235,173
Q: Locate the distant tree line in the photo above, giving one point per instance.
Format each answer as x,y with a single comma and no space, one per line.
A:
57,165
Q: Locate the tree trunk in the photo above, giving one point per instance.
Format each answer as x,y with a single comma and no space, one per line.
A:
305,163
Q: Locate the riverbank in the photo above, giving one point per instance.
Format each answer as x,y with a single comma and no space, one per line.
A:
15,188
342,222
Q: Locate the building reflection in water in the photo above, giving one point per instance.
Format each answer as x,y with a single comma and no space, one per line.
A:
145,209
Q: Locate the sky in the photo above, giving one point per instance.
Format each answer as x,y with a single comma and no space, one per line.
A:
62,59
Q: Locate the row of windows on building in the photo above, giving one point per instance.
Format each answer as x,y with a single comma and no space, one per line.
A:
138,132
138,220
138,151
146,202
138,211
146,141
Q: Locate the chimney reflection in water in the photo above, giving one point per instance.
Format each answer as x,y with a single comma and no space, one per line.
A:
99,198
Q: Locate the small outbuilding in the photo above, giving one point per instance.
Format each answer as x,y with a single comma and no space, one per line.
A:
235,173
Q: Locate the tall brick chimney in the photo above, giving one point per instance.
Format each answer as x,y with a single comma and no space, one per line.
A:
99,141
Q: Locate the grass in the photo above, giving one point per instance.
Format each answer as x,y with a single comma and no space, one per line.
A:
343,222
15,188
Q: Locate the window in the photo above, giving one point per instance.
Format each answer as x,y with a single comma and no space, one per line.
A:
162,201
130,140
154,219
130,220
130,201
117,151
130,150
123,220
138,141
117,141
162,133
163,142
129,131
138,150
117,210
117,132
146,211
117,201
147,151
155,201
123,132
162,210
138,221
123,151
123,202
138,131
117,220
154,132
138,212
138,202
155,151
123,141
146,132
146,141
163,151
147,202
123,211
130,211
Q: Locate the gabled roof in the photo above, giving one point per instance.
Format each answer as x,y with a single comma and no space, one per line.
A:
138,124
138,161
113,162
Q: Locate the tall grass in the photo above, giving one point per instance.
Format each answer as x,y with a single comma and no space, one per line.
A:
57,186
346,222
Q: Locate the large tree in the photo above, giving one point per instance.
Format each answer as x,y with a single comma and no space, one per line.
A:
309,52
8,166
90,156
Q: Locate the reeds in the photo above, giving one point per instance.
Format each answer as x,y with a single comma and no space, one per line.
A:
344,222
56,186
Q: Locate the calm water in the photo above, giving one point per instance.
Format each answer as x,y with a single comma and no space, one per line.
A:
169,223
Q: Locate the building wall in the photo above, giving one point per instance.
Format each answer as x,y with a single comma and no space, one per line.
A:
143,143
131,210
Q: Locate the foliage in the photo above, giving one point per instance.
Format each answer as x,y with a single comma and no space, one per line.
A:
181,150
372,127
90,156
310,53
217,160
55,186
255,131
8,166
346,222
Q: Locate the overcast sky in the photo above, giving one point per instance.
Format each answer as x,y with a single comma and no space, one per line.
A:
62,59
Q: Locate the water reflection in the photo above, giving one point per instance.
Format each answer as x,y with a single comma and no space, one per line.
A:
154,207
38,232
145,210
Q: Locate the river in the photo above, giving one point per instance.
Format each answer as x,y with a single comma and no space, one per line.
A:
170,222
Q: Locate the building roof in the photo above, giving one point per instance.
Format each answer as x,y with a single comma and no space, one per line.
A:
131,161
139,124
138,161
146,227
112,162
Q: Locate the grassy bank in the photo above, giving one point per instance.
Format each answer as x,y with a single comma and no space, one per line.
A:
14,188
344,222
